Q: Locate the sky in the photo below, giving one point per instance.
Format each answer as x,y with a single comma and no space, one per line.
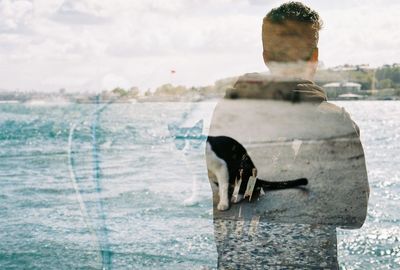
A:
95,45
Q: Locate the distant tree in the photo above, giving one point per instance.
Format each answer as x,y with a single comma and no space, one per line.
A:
133,92
120,92
384,84
170,90
364,78
389,72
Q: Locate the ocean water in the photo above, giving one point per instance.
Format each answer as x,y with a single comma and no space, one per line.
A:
377,244
106,186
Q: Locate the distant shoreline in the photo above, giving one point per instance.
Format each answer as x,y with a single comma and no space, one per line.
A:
48,101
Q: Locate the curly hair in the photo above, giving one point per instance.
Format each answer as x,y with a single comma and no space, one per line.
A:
295,11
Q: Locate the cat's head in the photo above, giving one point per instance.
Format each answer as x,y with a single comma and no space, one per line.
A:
182,135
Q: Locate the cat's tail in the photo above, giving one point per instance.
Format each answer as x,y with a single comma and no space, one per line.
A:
282,184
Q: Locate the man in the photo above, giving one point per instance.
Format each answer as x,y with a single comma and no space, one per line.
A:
290,131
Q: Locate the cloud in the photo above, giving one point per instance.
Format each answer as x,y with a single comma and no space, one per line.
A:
80,12
14,15
52,44
359,34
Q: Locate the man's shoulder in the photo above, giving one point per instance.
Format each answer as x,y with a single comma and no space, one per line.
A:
327,108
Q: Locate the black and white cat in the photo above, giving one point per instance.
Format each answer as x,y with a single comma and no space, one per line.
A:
225,158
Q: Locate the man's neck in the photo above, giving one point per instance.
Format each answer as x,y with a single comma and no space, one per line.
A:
300,70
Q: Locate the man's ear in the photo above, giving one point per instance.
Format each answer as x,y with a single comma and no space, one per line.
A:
314,56
312,64
266,57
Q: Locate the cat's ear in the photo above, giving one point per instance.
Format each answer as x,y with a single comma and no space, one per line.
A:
199,124
172,126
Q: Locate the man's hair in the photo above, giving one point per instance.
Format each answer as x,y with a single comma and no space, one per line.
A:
295,11
300,14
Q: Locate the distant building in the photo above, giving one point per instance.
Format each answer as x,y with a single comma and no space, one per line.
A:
350,96
348,67
338,88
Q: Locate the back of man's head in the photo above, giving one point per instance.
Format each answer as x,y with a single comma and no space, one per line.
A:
290,33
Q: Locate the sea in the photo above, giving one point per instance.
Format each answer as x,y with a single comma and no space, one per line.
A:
111,186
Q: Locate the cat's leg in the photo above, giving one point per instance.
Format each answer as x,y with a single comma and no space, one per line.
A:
223,183
194,198
219,168
213,181
237,199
